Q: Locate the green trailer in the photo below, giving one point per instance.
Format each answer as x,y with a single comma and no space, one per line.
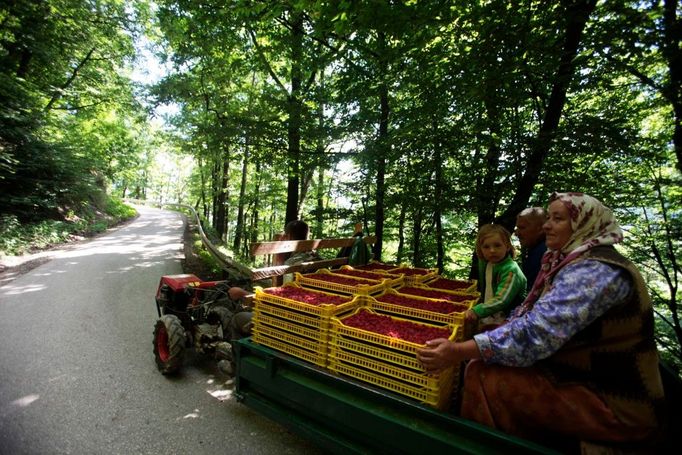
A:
343,416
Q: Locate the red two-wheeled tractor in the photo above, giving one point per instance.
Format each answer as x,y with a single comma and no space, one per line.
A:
192,314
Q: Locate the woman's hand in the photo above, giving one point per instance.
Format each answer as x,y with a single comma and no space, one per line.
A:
438,355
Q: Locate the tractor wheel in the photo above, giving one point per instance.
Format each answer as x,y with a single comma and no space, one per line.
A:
169,343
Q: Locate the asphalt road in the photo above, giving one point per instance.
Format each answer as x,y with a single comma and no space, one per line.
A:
77,371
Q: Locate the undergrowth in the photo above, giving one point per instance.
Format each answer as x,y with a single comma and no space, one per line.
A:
17,238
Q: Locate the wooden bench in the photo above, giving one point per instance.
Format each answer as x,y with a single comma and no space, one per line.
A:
274,248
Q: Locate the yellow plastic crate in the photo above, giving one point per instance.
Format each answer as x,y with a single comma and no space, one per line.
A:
395,280
471,288
367,287
455,318
313,321
324,310
410,278
382,342
310,351
438,397
318,334
337,343
417,378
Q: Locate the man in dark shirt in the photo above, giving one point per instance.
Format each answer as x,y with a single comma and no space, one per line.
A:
532,238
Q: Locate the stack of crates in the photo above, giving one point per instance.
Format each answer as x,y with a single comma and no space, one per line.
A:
389,363
413,312
296,328
317,334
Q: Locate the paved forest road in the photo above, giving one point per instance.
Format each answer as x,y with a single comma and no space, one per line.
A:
77,372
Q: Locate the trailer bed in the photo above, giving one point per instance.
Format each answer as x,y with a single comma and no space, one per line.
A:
342,415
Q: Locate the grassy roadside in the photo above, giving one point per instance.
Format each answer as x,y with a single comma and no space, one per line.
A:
18,238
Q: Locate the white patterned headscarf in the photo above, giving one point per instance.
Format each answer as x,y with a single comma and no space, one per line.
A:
592,223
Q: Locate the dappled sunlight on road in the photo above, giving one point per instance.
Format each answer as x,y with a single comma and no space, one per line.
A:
221,391
51,272
192,415
147,245
25,401
16,290
22,402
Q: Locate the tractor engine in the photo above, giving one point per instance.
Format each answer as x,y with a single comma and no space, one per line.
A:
175,294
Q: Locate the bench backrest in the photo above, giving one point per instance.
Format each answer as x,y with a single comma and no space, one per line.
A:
294,246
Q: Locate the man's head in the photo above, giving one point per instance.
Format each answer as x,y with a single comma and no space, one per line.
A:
296,230
529,226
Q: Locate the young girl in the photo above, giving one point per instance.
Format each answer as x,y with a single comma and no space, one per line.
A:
501,281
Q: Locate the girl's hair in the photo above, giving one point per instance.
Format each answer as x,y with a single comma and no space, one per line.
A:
490,229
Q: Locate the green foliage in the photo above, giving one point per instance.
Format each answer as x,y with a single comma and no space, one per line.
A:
118,210
68,117
207,258
18,238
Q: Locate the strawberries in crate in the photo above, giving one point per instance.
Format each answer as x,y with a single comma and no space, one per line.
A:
436,306
308,296
394,328
435,294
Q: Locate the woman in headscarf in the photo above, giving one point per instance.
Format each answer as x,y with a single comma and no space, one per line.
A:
577,358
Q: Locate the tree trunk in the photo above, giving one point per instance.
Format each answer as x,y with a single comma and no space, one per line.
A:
416,236
401,234
202,177
221,217
239,230
58,93
294,127
256,207
486,194
383,144
215,187
672,37
319,212
438,195
577,15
